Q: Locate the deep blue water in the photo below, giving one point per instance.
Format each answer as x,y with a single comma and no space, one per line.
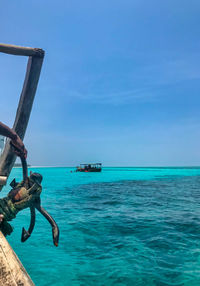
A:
124,226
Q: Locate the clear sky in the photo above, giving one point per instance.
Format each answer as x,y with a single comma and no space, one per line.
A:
120,82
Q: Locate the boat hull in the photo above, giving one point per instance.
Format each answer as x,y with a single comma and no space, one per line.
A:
89,171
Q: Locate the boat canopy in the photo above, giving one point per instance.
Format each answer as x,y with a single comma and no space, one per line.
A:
93,165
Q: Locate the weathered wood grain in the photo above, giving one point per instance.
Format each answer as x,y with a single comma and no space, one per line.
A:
23,112
21,51
12,272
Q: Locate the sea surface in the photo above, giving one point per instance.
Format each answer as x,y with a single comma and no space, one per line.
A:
124,226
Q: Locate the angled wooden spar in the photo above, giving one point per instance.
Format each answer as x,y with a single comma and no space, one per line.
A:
21,51
26,100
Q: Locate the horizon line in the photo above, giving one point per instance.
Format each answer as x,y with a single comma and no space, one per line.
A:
155,166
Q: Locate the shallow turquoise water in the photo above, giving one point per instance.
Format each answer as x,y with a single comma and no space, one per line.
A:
124,226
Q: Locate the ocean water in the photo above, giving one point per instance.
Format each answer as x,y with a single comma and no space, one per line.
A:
124,226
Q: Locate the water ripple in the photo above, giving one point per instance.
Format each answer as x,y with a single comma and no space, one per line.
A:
128,232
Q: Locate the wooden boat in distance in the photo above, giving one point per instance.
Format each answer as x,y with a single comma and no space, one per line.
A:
89,167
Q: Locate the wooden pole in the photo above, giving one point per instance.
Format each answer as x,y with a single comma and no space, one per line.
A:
12,272
21,51
26,100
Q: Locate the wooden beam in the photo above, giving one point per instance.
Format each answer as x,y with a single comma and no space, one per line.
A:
21,51
24,109
12,272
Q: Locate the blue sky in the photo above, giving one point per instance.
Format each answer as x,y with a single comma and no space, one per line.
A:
120,82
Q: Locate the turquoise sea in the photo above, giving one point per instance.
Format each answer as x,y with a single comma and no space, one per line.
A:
124,226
